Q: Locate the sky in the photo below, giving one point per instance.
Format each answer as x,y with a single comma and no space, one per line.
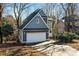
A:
28,11
34,6
9,10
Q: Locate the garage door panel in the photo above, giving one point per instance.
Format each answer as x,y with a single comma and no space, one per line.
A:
36,37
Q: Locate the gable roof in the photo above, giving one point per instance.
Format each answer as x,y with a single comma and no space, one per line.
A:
32,15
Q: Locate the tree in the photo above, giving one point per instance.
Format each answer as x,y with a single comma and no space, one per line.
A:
69,11
18,9
49,9
55,14
1,10
69,8
7,29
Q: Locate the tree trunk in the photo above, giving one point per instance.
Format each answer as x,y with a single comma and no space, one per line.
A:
1,37
18,30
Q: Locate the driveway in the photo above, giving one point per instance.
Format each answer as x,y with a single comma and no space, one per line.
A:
56,50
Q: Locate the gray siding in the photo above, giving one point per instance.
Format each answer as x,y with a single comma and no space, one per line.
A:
34,24
46,35
24,36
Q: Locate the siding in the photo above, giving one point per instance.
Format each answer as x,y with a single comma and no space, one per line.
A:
34,24
46,35
24,36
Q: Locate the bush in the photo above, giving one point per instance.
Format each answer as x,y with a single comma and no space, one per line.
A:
7,30
77,32
62,38
67,37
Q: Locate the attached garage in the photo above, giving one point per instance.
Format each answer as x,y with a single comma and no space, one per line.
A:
36,37
34,29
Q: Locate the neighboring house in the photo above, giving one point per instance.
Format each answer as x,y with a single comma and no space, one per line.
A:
61,26
71,23
34,28
50,22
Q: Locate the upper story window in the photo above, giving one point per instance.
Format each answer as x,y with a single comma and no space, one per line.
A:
37,21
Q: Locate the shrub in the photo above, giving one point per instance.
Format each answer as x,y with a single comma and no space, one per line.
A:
77,32
62,38
7,30
67,37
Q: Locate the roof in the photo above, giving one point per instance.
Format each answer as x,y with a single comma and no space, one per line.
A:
71,16
31,16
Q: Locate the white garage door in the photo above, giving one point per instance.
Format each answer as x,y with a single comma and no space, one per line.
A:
36,37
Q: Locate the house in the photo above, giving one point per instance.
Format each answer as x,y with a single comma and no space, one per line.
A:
50,22
34,28
71,23
61,26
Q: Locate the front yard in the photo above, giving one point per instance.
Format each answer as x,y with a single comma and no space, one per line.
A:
18,50
42,49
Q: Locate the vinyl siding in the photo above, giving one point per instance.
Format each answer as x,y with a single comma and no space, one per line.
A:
34,24
24,36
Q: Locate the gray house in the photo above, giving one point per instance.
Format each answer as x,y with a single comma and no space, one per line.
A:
34,28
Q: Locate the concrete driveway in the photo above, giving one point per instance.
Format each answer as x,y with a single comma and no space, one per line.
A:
56,50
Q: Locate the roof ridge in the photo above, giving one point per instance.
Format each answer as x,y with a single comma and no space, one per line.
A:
29,17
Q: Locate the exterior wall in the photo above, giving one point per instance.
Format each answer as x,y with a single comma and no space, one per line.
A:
61,27
43,15
24,36
50,25
36,23
33,37
47,35
21,36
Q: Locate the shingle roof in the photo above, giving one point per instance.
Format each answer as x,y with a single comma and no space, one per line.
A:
31,16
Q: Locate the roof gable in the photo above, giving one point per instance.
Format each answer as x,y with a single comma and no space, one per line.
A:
28,19
43,15
34,24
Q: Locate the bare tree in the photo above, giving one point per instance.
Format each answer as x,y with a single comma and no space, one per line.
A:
69,8
49,9
18,9
69,11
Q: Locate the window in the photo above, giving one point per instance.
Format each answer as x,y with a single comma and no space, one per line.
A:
37,21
